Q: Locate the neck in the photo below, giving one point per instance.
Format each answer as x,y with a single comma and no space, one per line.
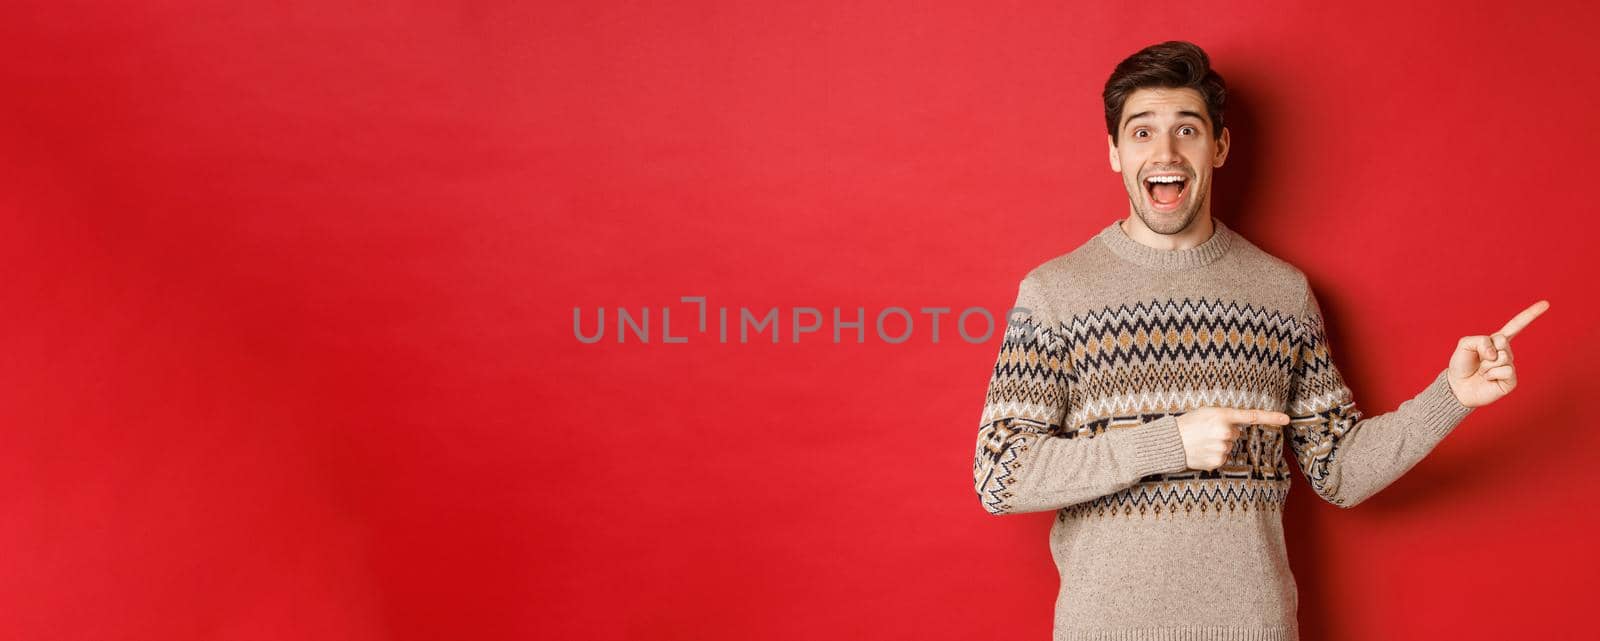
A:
1198,231
1183,254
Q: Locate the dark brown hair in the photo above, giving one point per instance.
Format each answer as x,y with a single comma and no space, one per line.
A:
1174,64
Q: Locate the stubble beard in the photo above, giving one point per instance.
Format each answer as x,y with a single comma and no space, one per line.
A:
1165,224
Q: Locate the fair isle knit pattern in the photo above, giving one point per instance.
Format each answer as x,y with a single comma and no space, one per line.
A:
1107,345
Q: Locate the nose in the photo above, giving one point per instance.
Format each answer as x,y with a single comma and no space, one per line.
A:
1166,150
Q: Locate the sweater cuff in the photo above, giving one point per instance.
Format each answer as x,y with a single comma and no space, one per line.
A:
1437,406
1158,447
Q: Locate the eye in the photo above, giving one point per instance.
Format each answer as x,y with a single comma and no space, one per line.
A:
1141,133
1187,130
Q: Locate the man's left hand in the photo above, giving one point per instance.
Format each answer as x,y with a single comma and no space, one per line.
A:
1481,371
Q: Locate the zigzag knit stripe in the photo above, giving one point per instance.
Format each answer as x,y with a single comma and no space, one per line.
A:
1125,365
1184,498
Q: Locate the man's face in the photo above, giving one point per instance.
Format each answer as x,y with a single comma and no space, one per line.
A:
1165,153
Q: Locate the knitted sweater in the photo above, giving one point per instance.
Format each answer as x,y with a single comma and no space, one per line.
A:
1106,346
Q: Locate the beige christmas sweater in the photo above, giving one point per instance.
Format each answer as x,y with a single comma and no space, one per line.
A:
1107,345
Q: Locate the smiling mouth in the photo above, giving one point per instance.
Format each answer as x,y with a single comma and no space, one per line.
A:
1166,191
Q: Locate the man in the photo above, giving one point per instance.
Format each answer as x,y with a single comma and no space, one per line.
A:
1149,379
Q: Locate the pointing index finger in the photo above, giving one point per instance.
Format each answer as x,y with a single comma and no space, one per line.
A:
1522,319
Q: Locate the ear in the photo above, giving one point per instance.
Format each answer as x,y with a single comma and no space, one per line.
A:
1116,162
1223,143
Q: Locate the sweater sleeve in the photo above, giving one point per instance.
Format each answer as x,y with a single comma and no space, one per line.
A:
1026,461
1345,457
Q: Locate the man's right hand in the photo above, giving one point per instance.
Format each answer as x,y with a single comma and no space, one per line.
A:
1209,432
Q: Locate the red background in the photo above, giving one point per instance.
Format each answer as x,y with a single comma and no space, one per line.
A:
288,347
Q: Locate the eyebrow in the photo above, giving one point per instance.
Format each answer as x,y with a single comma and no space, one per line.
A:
1181,114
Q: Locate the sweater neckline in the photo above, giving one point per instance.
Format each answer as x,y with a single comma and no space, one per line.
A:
1168,259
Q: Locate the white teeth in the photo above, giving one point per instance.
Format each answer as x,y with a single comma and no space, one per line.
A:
1164,179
